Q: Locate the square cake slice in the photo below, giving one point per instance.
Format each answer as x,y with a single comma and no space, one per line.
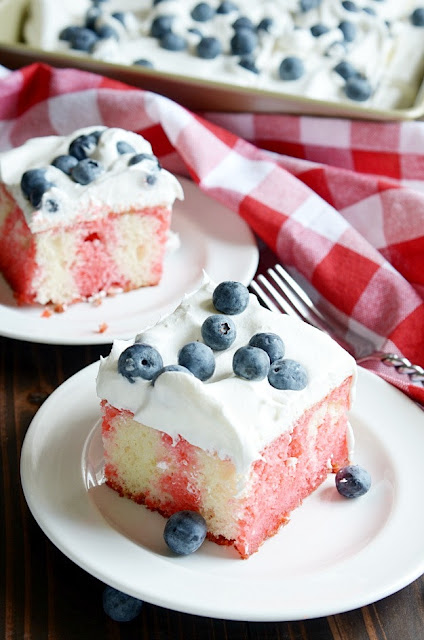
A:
83,215
238,416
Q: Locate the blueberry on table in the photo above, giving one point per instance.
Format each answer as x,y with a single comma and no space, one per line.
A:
230,297
197,358
218,332
185,531
124,147
161,25
353,481
209,48
287,375
271,343
119,606
417,17
170,367
291,68
202,12
140,360
251,363
348,30
226,7
83,39
173,42
86,171
31,179
83,146
65,163
358,88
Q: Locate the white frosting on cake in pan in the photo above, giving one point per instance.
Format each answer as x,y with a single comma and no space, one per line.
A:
387,49
120,187
226,414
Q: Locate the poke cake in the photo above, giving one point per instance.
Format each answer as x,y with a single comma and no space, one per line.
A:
226,409
360,51
83,215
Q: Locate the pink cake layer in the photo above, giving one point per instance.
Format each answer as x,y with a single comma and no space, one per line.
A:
65,264
147,466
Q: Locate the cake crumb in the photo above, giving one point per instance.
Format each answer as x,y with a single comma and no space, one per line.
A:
102,327
47,313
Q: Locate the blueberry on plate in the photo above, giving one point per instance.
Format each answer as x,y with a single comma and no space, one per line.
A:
197,358
122,146
170,367
230,297
173,42
31,179
417,17
65,163
287,374
226,7
271,343
83,39
86,171
185,531
119,606
251,363
143,62
358,88
83,146
161,25
348,30
209,48
218,332
202,12
291,68
353,481
140,360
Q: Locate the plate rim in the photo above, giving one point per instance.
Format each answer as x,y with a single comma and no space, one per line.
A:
361,599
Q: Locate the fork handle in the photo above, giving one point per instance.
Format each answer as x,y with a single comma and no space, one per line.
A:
402,365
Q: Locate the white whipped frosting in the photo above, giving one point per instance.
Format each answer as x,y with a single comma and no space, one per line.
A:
388,50
228,415
119,188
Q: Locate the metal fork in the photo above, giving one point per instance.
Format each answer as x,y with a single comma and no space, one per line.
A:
280,292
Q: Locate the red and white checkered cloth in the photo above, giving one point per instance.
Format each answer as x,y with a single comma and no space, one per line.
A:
339,201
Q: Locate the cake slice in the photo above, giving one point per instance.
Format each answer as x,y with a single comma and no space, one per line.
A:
83,215
238,417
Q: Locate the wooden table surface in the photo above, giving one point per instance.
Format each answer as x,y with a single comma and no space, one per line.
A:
45,595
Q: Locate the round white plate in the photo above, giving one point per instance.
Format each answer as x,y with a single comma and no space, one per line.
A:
335,554
212,238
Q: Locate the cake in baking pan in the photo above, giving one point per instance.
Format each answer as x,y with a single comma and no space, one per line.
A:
226,409
353,51
83,215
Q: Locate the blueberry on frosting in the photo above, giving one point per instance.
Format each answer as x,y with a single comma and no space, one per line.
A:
358,88
86,171
348,30
244,41
230,297
265,24
197,358
307,5
251,363
65,163
31,179
139,361
209,48
83,146
318,30
345,69
243,23
83,39
226,7
248,62
173,42
291,68
417,17
350,6
170,368
161,25
271,343
202,12
124,147
218,332
287,374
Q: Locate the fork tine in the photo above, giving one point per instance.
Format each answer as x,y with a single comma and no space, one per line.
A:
271,297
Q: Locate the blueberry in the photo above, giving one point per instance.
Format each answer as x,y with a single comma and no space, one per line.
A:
195,31
143,62
218,332
346,70
65,163
36,194
91,16
291,68
83,146
68,32
230,297
173,42
348,30
249,63
139,361
197,358
287,374
170,367
83,39
151,178
227,7
209,48
105,31
265,24
244,41
271,343
31,179
307,5
86,171
243,23
358,88
349,5
369,10
161,25
119,606
202,12
184,532
251,363
353,481
139,157
318,30
417,17
51,205
124,147
120,16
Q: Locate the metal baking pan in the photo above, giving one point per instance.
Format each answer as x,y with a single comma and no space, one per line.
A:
193,93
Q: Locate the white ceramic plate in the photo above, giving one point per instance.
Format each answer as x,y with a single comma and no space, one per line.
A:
212,238
335,555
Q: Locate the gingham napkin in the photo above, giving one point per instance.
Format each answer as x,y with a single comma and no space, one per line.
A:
340,202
